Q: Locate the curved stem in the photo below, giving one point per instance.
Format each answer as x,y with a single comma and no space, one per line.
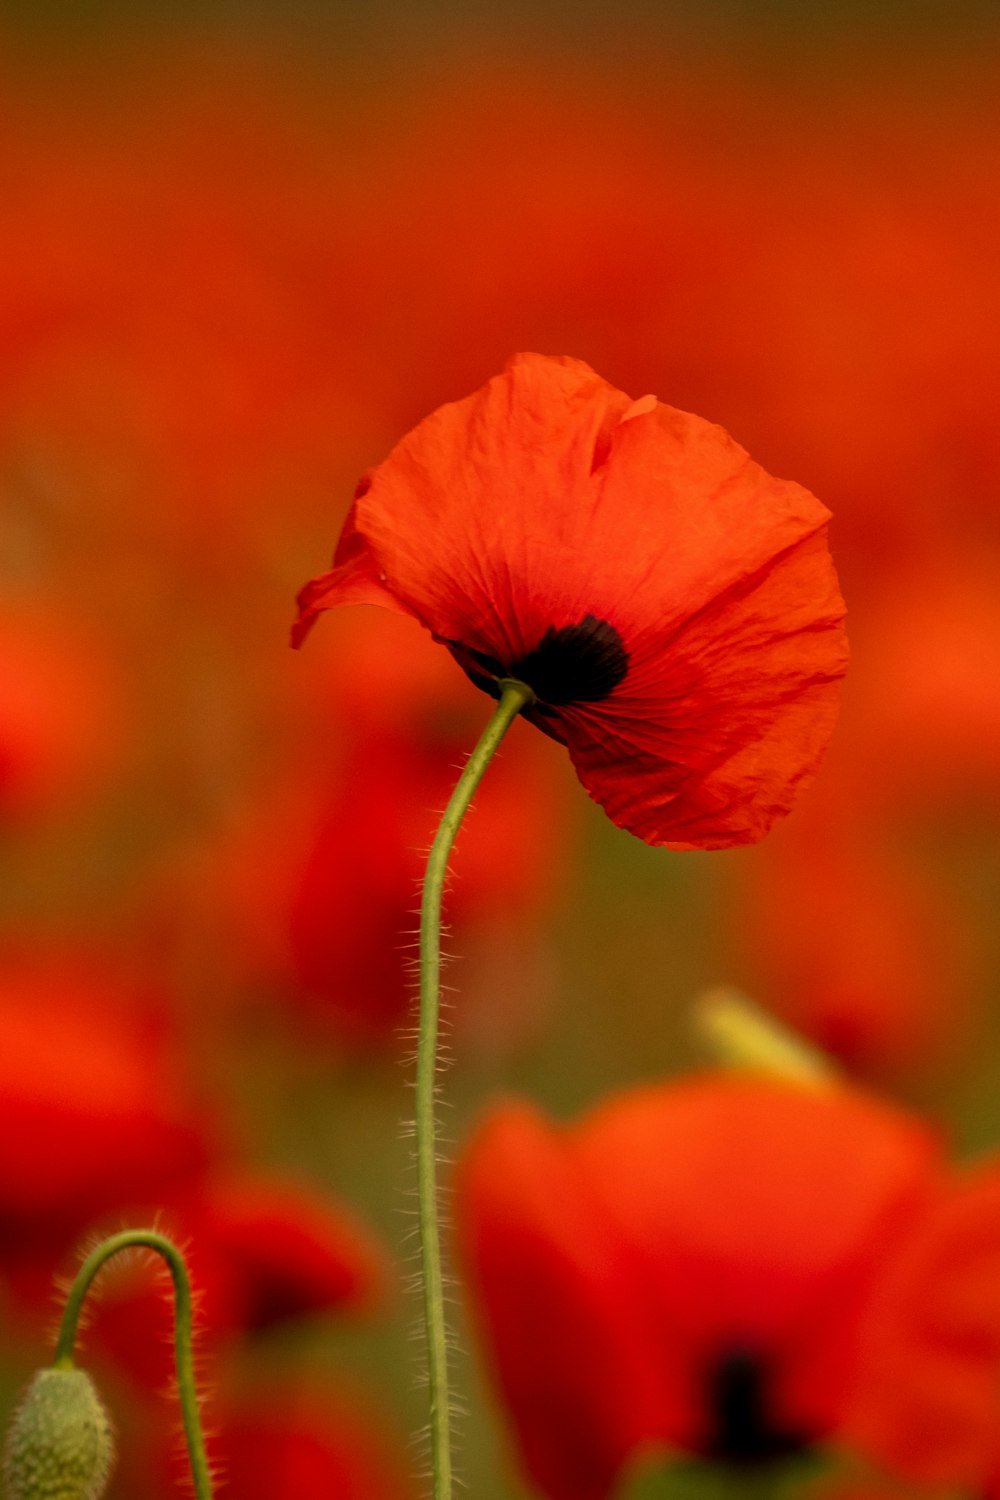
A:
513,697
151,1239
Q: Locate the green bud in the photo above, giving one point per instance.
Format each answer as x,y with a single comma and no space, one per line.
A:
59,1446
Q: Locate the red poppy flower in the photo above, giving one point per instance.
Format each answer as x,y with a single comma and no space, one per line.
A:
673,608
291,1250
403,718
291,1438
307,899
352,894
856,946
260,1249
927,1403
308,1441
735,1268
927,715
94,1106
95,1109
61,719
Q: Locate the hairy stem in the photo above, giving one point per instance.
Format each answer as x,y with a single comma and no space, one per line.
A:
149,1239
513,697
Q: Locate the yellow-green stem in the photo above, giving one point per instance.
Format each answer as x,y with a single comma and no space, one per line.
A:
149,1239
513,697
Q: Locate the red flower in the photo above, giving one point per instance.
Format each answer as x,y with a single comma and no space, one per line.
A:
301,1444
260,1249
307,899
96,1110
94,1105
402,718
290,1249
283,1438
352,893
672,606
927,709
61,718
734,1268
856,946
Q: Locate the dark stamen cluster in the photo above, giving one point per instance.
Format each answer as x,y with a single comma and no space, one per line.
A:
581,663
743,1430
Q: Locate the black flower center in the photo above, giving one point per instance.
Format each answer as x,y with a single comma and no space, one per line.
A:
742,1429
581,663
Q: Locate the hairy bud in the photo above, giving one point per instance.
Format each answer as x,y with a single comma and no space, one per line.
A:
59,1446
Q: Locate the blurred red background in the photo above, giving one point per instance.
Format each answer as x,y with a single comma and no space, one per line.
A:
240,255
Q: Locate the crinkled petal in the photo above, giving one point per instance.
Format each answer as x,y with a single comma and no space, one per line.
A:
548,499
721,722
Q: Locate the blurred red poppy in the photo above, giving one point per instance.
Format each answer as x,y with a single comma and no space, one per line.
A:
291,1438
926,715
94,1103
351,900
299,1441
735,1268
405,717
61,713
865,221
927,1403
855,945
308,901
97,1111
278,1434
673,608
291,1250
261,1249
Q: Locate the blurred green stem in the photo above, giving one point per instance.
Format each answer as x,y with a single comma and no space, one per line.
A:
150,1239
513,697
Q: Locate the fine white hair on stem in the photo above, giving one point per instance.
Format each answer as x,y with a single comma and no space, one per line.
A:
438,1337
412,1279
117,1269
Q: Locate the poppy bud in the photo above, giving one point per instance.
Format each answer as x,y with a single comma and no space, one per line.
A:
59,1446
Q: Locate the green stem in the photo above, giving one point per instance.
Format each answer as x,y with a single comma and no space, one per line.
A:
513,697
183,1334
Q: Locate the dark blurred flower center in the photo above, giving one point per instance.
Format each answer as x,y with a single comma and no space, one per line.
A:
741,1429
581,663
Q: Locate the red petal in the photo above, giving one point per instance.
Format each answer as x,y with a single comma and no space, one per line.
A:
352,580
927,1404
615,1263
717,727
301,1442
760,1214
93,1106
546,498
291,1250
560,1308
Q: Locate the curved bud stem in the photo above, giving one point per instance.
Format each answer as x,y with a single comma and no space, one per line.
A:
513,697
149,1239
